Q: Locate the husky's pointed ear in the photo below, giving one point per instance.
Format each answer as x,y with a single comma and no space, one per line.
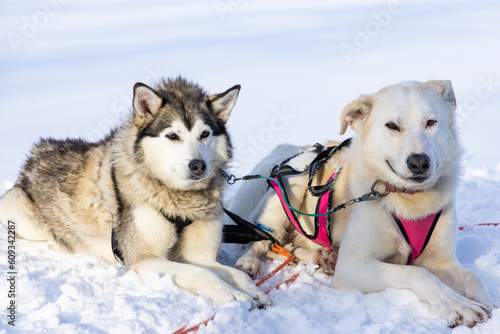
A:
445,89
146,103
222,104
355,112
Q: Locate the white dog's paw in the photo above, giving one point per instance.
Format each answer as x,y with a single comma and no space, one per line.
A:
486,302
459,310
250,264
326,258
475,290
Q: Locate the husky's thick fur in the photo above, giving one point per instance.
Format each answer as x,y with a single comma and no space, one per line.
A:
153,185
405,137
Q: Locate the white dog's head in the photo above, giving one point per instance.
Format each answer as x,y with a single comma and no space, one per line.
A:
407,132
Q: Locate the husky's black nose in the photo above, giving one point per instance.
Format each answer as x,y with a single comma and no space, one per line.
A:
418,164
197,167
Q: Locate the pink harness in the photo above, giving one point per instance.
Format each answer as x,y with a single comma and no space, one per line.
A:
321,234
417,233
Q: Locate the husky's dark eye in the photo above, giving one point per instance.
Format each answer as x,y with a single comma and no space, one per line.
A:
392,126
205,134
172,136
430,123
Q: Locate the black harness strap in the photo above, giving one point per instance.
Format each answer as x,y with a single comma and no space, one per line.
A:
322,157
432,229
405,235
244,232
284,170
114,240
179,223
114,246
329,217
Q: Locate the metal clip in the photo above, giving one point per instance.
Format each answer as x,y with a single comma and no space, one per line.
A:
371,196
232,179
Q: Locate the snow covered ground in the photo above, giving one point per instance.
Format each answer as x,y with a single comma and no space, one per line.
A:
67,70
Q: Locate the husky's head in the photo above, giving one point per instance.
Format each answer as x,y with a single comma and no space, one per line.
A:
407,133
181,134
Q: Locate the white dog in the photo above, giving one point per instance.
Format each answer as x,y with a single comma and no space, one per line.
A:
405,138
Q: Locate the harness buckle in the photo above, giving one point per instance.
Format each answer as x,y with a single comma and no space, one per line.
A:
285,252
280,250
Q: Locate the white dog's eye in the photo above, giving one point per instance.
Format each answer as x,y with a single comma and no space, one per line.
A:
172,136
392,126
430,123
205,134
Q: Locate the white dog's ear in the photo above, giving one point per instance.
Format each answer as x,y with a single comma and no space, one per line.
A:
355,112
444,88
146,103
222,104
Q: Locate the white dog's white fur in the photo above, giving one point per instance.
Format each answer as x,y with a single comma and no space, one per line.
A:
392,125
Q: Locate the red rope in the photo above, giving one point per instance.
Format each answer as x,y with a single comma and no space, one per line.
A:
461,228
290,258
276,248
183,330
288,281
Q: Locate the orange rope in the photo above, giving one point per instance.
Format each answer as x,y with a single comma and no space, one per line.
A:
278,249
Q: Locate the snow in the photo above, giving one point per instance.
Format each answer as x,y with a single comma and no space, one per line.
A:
68,68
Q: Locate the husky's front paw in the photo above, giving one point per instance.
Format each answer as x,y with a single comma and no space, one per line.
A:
244,283
255,297
250,264
326,258
218,292
261,299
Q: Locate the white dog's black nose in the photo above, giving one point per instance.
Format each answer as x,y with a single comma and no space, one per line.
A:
418,164
197,167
